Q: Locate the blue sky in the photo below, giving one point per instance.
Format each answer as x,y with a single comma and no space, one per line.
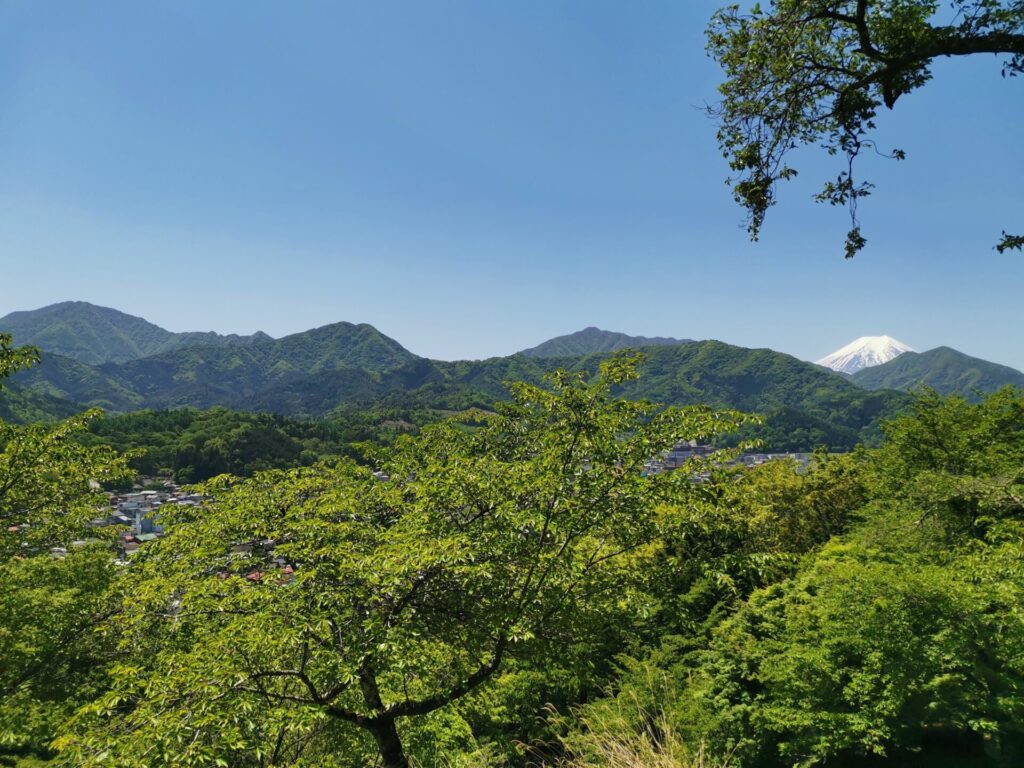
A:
472,178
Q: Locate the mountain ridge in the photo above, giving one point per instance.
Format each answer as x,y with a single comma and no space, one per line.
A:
804,405
944,369
311,373
96,335
593,339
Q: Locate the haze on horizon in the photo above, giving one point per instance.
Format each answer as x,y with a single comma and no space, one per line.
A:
472,180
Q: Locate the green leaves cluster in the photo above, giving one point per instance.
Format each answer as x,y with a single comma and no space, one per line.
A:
900,637
13,359
50,607
816,72
54,654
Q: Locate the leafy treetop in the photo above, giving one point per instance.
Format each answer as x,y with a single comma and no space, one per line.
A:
50,487
332,598
13,359
803,72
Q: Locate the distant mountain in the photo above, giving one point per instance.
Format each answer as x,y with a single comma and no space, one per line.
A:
339,345
945,370
592,340
95,335
865,352
222,374
202,376
804,406
311,373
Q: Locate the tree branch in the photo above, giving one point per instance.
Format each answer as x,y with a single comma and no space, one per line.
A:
425,706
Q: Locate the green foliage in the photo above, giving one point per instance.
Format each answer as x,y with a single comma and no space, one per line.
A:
901,639
945,370
816,72
1010,243
192,446
49,608
50,484
957,464
483,547
96,335
861,654
13,358
761,523
53,654
593,340
507,564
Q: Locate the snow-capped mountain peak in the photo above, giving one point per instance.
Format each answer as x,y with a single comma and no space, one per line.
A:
864,353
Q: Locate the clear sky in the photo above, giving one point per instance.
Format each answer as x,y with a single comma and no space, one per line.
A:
473,178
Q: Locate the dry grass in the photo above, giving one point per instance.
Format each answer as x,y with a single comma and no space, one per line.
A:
657,746
628,734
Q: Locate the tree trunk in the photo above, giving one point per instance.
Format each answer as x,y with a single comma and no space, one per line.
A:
386,735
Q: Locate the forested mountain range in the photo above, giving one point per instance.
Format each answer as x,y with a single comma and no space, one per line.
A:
945,370
313,373
593,339
95,335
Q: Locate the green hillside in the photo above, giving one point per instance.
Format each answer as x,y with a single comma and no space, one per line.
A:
95,335
19,405
69,380
193,445
804,404
339,345
591,340
239,376
310,374
945,370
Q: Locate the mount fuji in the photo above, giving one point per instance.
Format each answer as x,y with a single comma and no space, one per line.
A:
865,352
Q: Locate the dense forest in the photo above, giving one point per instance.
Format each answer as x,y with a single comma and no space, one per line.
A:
189,445
518,593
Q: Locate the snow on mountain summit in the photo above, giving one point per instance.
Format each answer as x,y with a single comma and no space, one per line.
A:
864,352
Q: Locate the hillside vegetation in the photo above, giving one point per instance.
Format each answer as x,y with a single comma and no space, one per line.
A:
95,335
591,340
515,589
308,375
945,370
191,445
20,405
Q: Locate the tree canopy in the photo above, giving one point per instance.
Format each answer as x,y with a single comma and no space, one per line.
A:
897,640
816,72
54,570
337,598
